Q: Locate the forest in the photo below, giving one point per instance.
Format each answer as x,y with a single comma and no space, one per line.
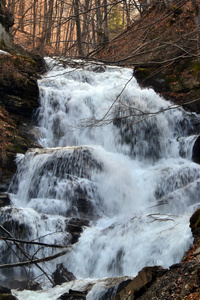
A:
75,27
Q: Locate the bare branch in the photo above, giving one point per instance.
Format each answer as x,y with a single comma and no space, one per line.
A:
34,261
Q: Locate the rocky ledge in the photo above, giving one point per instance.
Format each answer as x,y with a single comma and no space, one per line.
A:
19,98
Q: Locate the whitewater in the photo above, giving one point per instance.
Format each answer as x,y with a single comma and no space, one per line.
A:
116,154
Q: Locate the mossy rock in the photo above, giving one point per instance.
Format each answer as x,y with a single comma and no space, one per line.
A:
18,84
148,75
7,297
12,142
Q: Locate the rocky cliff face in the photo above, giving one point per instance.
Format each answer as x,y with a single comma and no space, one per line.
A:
6,21
19,97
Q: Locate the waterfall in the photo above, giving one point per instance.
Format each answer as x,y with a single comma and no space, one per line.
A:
132,178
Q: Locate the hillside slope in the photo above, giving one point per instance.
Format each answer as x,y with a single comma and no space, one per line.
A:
163,49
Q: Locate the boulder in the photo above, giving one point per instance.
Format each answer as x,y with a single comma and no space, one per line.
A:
195,222
196,151
6,17
131,289
62,275
6,21
4,199
179,82
75,226
5,294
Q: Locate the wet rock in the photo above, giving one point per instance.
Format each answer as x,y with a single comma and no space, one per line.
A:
75,226
73,295
7,297
196,151
131,289
195,223
62,275
5,294
33,132
83,207
21,285
96,68
4,290
147,76
3,186
4,199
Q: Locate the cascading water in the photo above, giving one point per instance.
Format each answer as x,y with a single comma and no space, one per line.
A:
133,178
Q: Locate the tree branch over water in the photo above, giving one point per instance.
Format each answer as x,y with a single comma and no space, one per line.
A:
30,259
35,261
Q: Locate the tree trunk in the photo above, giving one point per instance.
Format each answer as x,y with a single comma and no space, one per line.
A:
197,21
78,27
21,14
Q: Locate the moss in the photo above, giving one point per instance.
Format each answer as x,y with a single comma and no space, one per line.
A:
17,148
7,297
27,63
4,47
196,68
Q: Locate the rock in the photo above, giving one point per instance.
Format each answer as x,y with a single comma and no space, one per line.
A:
3,186
129,289
6,17
84,206
16,226
75,226
6,21
180,82
4,200
196,151
7,297
62,275
5,294
4,290
21,285
31,131
18,85
96,68
144,75
73,295
195,222
197,252
19,98
126,288
176,283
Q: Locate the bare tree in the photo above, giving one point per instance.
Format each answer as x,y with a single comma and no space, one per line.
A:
78,28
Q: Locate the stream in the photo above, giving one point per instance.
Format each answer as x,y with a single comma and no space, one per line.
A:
118,159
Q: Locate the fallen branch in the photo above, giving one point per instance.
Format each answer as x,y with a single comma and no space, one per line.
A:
32,243
34,261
